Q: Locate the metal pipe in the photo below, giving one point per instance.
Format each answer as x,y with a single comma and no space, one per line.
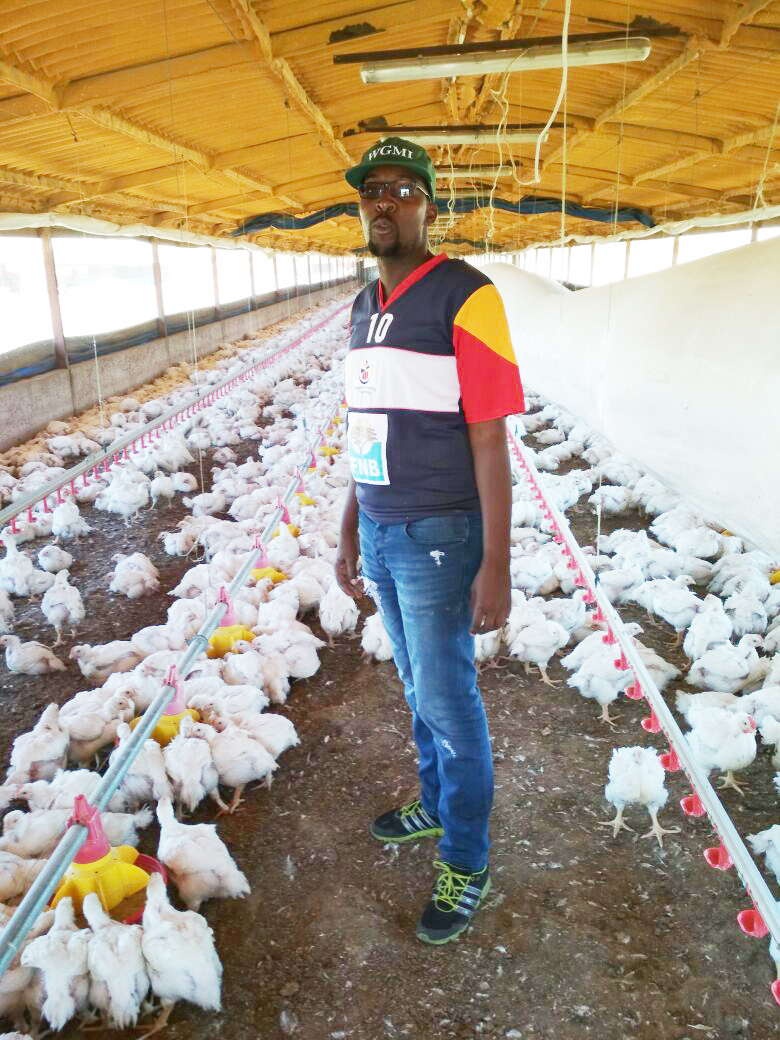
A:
62,855
748,872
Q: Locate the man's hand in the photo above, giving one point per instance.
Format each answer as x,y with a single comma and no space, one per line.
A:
346,565
490,597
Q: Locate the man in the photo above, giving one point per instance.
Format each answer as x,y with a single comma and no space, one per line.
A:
430,377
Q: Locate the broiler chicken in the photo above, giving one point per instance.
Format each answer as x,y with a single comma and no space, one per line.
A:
636,777
67,522
91,730
726,667
38,755
17,874
723,739
134,576
61,791
118,981
767,842
36,833
62,605
198,860
190,768
599,679
100,661
29,658
537,644
146,779
238,758
180,955
18,984
338,613
61,958
53,559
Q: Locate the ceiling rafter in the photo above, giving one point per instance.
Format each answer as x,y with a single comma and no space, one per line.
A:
738,18
727,148
257,30
111,121
692,50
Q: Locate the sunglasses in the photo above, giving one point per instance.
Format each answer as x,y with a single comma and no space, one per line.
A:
401,190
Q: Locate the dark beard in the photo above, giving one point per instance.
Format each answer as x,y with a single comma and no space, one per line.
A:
391,249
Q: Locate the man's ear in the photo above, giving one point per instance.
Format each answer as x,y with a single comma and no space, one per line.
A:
431,213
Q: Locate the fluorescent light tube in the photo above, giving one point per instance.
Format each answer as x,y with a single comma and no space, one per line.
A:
460,173
444,136
602,52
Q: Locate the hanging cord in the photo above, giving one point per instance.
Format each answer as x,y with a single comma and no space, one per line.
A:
760,200
561,93
615,212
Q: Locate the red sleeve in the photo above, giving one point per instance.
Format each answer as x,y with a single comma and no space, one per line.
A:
489,378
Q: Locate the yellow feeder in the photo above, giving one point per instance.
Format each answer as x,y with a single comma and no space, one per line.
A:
259,573
304,499
774,578
225,638
336,420
168,724
328,449
292,528
109,872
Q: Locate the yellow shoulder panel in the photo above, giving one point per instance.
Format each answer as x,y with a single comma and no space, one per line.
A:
483,316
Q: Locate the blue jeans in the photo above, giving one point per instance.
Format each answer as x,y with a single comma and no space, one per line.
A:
420,575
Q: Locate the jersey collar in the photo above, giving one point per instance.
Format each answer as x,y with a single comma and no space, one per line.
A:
413,277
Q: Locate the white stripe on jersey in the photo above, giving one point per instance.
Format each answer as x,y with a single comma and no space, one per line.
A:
386,377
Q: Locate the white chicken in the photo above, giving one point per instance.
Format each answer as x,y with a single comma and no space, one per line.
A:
238,758
38,755
61,958
767,842
67,522
100,661
61,790
53,559
126,495
89,731
710,627
146,780
723,739
636,777
374,641
726,667
275,732
29,658
537,644
163,487
190,768
62,605
118,981
15,567
7,613
134,576
19,987
180,955
678,607
17,874
36,833
599,679
338,612
689,703
198,860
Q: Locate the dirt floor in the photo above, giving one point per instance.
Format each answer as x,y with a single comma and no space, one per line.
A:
582,936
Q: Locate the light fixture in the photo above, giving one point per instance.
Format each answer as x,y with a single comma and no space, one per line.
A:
431,136
461,173
479,62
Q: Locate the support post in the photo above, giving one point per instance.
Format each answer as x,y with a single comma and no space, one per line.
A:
157,272
217,308
675,250
58,335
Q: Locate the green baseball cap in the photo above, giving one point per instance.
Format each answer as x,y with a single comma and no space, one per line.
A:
395,151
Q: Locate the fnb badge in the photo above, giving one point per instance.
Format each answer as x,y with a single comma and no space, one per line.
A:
367,439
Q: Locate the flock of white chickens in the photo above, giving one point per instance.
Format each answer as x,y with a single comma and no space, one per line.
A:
113,972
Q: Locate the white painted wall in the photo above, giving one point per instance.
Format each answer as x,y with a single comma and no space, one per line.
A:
679,369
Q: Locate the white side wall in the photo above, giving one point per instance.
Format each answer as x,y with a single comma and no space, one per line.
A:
679,369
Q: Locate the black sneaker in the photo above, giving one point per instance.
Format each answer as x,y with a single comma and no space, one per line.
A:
456,898
408,823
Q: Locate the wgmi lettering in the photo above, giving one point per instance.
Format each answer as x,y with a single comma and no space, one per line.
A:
391,149
366,468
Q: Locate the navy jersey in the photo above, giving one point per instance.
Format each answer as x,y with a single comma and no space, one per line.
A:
422,364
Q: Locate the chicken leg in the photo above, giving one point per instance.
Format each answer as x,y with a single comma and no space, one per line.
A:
159,1023
617,824
729,781
606,717
546,678
235,801
657,830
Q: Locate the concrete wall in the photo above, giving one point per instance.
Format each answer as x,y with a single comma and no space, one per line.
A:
28,405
